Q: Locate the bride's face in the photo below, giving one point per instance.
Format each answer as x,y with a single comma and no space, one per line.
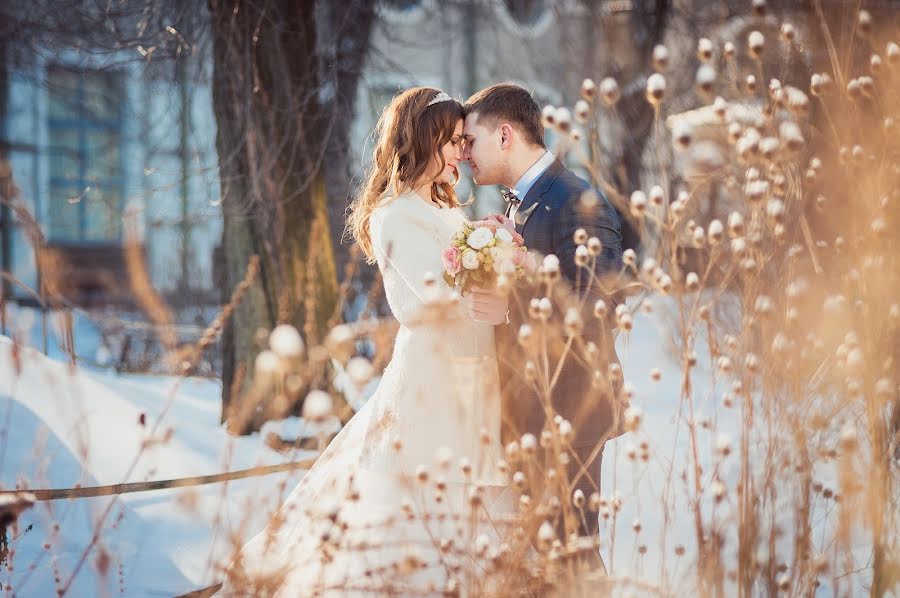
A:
452,154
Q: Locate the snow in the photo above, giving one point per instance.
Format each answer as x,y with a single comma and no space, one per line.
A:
64,426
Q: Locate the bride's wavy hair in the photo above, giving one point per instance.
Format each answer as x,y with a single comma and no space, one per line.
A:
409,133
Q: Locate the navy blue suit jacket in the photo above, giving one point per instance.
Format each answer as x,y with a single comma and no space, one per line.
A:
558,204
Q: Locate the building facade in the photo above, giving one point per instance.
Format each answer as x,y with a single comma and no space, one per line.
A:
104,146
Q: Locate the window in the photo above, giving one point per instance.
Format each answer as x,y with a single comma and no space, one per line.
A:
401,5
85,130
526,12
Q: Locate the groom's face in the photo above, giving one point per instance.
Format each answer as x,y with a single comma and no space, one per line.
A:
483,152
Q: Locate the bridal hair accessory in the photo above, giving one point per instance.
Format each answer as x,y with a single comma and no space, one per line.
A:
440,97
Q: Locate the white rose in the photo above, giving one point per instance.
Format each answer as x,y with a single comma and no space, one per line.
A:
480,237
470,260
503,235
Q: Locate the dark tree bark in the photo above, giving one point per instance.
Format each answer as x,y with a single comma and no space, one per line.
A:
271,132
345,33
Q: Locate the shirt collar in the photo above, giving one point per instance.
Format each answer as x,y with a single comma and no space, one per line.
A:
533,174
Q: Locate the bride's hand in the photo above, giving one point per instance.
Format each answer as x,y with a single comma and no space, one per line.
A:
490,307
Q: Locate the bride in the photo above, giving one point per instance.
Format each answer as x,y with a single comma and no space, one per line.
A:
408,495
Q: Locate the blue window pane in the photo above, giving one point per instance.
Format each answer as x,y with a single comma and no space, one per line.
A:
102,213
85,154
65,212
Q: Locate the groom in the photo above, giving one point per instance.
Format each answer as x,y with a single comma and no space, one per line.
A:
547,203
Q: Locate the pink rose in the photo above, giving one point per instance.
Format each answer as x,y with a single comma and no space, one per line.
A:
452,259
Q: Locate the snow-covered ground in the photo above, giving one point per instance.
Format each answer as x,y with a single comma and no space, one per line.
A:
63,426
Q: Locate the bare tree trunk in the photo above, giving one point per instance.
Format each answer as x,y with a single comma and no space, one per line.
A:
345,31
270,142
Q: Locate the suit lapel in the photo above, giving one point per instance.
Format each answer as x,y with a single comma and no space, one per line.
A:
534,196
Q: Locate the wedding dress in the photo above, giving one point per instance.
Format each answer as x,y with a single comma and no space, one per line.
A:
409,489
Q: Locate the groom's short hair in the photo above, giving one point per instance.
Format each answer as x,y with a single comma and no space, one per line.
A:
507,102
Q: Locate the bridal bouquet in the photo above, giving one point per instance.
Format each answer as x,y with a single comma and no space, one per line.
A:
482,252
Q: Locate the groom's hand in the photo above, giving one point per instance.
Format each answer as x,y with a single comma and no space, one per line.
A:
490,307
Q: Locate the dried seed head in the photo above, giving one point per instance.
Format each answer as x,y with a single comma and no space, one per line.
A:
656,195
797,101
692,282
545,308
546,535
867,86
572,321
865,21
638,203
595,247
317,406
756,43
788,33
588,89
729,50
578,498
775,210
656,88
724,364
580,236
705,78
758,7
660,58
526,335
875,63
718,490
629,258
750,83
763,305
632,418
848,438
529,443
267,364
715,232
513,452
791,136
756,190
735,224
609,91
769,146
566,431
422,473
548,116
563,120
892,51
720,107
286,342
360,370
751,362
581,255
600,308
704,49
698,236
582,111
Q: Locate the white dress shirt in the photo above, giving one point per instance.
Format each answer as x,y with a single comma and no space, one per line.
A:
526,182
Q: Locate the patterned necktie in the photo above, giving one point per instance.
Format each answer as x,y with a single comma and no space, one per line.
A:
510,197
